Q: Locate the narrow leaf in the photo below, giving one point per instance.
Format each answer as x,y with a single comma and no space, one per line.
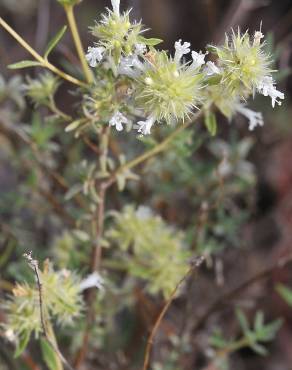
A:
259,349
49,355
242,320
150,42
211,123
54,41
72,126
285,293
23,341
24,64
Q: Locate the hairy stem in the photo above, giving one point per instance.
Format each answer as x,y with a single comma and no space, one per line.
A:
69,9
43,62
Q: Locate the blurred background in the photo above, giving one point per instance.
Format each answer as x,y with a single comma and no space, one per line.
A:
263,237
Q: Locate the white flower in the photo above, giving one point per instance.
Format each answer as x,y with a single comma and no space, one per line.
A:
211,69
94,55
143,213
255,118
267,88
198,59
257,37
117,120
144,127
140,49
91,281
116,6
10,335
131,66
181,49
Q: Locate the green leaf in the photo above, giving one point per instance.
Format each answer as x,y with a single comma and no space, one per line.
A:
285,293
73,125
54,41
24,64
23,341
218,341
259,349
211,123
242,320
49,355
150,42
259,321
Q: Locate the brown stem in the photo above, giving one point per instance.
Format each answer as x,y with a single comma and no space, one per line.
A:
97,232
220,302
34,265
162,313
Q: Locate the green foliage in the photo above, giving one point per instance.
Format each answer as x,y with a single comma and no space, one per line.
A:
211,123
156,252
24,64
49,355
54,41
252,337
285,292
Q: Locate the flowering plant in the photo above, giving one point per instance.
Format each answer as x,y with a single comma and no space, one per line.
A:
133,89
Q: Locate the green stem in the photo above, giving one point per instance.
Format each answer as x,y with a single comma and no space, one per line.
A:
57,111
69,9
51,334
44,63
157,149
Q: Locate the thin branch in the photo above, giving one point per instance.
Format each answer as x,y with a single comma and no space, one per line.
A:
44,62
162,313
156,150
34,265
69,9
221,301
97,232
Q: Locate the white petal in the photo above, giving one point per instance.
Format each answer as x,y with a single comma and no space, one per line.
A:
266,87
144,127
198,59
117,121
116,6
181,49
91,281
255,118
211,69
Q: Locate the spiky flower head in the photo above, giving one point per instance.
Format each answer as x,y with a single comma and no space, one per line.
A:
62,301
156,252
117,35
168,88
41,90
243,61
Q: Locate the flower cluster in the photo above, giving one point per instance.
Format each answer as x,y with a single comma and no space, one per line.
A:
156,251
62,301
164,88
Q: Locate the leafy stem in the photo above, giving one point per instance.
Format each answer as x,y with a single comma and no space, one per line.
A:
154,151
43,62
